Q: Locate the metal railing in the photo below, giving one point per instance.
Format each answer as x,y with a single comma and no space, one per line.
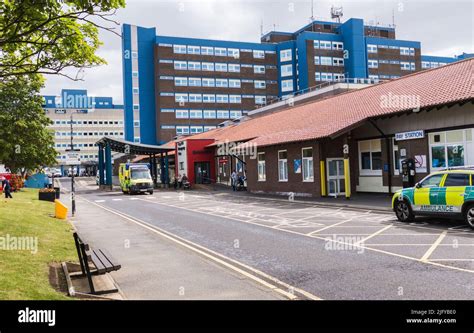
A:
320,86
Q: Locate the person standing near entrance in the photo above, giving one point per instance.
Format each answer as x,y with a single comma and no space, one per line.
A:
233,180
7,188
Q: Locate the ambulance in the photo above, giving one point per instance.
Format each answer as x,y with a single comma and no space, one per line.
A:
135,178
448,193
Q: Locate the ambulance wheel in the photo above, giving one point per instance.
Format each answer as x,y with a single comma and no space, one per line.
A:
150,192
469,215
403,211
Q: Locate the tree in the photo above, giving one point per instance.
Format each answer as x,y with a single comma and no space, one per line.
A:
25,140
47,36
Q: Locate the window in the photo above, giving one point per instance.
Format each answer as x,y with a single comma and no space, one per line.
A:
194,49
221,83
220,51
182,114
338,61
209,114
181,98
371,48
234,83
209,128
425,64
207,50
260,100
257,54
373,63
179,49
194,82
317,76
286,70
326,61
337,45
207,66
234,68
195,98
195,114
208,98
405,66
222,114
286,85
196,129
326,76
222,99
285,55
261,167
134,54
259,84
135,74
307,162
136,106
316,44
180,65
404,50
180,81
221,67
234,53
282,166
370,157
235,99
317,60
457,179
432,181
208,83
258,69
338,77
325,45
194,66
235,114
182,129
135,91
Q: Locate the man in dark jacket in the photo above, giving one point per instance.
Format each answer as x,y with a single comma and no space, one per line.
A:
7,188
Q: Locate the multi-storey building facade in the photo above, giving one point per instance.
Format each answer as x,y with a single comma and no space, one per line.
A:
175,86
92,119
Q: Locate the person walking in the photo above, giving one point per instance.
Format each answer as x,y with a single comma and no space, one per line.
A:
233,180
7,188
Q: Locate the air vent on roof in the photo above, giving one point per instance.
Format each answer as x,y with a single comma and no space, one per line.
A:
240,119
225,123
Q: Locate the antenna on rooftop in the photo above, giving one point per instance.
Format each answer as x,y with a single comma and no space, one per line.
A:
261,27
393,18
336,13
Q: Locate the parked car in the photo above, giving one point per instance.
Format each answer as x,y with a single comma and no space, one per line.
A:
448,193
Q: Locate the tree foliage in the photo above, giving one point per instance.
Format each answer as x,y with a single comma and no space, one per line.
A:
25,139
47,36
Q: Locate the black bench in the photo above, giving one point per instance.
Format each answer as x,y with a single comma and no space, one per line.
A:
101,260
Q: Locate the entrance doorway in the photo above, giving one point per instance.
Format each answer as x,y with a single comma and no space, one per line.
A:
202,172
336,185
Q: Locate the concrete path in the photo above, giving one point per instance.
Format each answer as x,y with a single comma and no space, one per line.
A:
154,267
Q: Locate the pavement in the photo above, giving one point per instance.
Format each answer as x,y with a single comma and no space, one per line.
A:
310,248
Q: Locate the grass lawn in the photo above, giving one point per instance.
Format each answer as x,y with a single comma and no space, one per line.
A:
24,275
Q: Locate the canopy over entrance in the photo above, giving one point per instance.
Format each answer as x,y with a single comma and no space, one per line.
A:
106,145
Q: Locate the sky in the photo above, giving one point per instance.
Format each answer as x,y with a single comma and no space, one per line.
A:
444,28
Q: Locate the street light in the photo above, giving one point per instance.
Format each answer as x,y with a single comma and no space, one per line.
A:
72,149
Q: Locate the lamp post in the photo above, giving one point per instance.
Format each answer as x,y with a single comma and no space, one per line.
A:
72,149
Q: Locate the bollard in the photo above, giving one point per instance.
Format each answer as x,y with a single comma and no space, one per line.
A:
60,210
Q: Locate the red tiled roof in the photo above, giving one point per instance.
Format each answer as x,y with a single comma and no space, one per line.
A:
448,84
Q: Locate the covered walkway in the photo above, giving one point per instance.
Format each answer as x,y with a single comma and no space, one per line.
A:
106,145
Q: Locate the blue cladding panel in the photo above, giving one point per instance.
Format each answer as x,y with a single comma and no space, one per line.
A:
392,42
127,81
353,38
146,77
438,59
214,43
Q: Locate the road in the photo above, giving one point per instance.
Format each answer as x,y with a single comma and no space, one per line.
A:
313,250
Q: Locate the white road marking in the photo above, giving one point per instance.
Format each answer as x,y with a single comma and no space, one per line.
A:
133,198
451,259
215,257
99,200
434,246
117,199
374,234
328,227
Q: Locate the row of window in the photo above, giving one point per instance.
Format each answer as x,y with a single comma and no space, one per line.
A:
328,45
404,65
207,114
372,48
88,122
63,157
215,66
383,77
188,129
213,98
322,76
61,133
306,167
216,51
328,61
432,64
81,145
215,82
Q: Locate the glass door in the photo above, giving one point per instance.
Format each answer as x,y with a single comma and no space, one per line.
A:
336,185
